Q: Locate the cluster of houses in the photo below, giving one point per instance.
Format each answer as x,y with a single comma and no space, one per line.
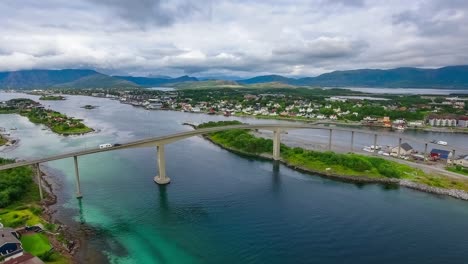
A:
406,151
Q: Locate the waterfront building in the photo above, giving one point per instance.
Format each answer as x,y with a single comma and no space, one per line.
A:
405,150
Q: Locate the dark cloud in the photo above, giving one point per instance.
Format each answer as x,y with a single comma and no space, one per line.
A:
154,12
432,18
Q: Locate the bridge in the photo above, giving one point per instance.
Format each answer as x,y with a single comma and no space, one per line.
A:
160,142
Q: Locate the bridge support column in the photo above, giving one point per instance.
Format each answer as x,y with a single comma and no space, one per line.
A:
352,142
77,179
399,148
39,180
451,160
162,178
276,144
425,152
375,144
330,140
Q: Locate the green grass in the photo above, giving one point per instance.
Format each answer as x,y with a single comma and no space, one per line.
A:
458,169
19,217
70,131
36,244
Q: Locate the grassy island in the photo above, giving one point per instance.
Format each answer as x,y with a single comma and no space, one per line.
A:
51,98
347,166
36,113
20,207
88,107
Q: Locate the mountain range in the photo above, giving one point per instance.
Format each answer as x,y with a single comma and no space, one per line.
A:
447,77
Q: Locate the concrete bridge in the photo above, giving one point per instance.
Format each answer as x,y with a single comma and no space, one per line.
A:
160,142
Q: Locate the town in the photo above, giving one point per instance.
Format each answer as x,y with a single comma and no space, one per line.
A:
304,104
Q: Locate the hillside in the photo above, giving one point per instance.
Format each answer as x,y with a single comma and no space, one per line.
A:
73,78
206,84
156,81
97,81
267,79
446,77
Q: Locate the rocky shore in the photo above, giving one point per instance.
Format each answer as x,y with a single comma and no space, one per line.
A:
68,244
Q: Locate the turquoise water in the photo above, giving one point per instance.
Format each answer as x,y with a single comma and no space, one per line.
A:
222,208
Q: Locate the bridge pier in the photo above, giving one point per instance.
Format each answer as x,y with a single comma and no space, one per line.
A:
375,144
276,144
161,178
425,152
77,179
399,148
330,140
39,180
352,141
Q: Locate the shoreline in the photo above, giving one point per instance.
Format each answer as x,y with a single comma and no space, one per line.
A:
77,234
454,193
70,249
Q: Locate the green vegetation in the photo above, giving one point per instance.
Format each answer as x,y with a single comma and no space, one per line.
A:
36,244
52,98
328,163
39,245
19,197
458,169
14,183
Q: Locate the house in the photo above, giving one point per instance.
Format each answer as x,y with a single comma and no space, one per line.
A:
440,154
462,161
463,121
10,246
443,121
405,150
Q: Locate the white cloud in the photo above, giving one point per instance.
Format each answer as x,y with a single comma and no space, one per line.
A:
229,37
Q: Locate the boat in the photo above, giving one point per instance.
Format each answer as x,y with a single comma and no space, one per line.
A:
443,143
439,142
13,128
368,149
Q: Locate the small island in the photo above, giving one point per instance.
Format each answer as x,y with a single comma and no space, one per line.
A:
52,98
36,113
89,107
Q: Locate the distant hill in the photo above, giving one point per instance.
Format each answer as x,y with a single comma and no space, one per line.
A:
97,81
73,78
446,77
156,81
267,79
451,77
205,84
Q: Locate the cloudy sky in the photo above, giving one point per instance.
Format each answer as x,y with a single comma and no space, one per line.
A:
231,38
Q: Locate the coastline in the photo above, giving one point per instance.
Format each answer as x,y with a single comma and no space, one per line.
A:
77,234
70,248
454,193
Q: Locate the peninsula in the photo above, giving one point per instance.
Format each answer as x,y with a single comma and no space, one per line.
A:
59,123
347,167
